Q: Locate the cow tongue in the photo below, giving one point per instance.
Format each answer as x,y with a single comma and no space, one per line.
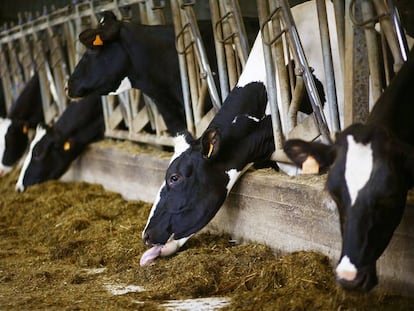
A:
168,249
150,255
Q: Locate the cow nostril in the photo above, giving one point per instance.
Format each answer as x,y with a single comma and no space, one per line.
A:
145,238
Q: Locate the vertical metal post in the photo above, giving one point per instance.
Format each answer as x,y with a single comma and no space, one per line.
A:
270,71
332,101
294,41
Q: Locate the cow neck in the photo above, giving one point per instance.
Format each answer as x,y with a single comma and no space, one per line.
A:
394,110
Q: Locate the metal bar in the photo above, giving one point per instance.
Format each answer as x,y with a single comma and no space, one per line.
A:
185,83
271,82
373,52
332,101
294,41
215,99
221,59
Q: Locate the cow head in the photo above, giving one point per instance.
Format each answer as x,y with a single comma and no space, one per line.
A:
13,143
369,176
104,65
48,158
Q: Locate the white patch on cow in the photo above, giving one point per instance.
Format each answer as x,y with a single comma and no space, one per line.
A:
255,69
4,126
154,206
346,270
358,166
123,87
40,132
234,175
247,116
172,246
102,20
180,146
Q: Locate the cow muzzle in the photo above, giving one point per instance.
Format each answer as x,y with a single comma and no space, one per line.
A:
365,280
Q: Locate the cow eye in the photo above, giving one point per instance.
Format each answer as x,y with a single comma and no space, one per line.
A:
174,179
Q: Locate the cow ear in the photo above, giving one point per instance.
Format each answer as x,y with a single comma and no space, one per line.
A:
312,157
91,38
107,31
210,143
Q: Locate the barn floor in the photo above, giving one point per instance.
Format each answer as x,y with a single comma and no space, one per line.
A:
285,213
75,246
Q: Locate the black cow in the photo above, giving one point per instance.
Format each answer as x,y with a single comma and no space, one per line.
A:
144,56
54,148
202,171
25,113
371,168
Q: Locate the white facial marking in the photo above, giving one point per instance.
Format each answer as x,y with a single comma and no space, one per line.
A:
4,126
157,199
40,132
180,146
124,86
346,270
358,166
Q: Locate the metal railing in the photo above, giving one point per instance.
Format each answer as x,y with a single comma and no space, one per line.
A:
48,44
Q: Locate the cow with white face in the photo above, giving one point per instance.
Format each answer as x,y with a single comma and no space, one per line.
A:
371,168
54,148
24,114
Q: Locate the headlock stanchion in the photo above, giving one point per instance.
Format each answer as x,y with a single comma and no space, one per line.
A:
231,42
49,45
362,65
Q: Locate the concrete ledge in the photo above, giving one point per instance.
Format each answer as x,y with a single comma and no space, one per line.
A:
286,213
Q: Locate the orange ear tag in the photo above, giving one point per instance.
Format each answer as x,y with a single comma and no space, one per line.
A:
25,129
210,150
310,166
66,145
98,41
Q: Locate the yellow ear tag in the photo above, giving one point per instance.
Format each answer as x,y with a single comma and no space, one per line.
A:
310,166
66,145
25,129
98,41
210,150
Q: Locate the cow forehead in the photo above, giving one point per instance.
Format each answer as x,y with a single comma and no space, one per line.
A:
358,166
180,146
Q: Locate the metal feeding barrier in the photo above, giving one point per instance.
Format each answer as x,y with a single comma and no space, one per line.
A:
47,43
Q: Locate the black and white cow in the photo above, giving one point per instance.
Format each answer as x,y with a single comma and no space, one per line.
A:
203,171
122,55
371,168
54,148
25,113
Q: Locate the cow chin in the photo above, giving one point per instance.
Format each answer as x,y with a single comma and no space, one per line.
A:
365,280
